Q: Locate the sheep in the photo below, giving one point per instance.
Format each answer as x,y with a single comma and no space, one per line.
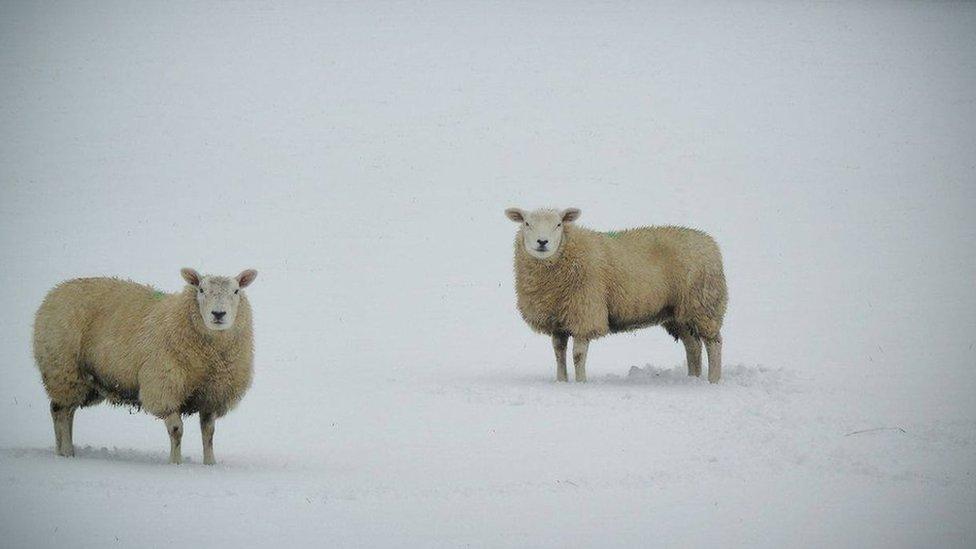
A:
572,281
177,354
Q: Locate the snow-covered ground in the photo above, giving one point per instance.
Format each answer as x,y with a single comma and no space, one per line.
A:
360,156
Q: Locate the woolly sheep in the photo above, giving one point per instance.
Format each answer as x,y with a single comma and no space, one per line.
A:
572,281
172,354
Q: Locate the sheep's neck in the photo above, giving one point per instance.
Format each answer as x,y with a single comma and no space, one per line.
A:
555,276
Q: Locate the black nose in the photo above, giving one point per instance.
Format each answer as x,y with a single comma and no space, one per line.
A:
218,314
542,243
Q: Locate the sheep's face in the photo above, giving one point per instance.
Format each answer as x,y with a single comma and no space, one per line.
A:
218,296
542,230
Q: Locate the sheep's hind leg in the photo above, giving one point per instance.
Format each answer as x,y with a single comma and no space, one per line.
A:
207,431
693,352
692,343
67,389
580,346
559,341
63,417
713,345
174,426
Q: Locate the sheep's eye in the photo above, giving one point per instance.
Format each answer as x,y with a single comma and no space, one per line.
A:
201,290
559,225
237,290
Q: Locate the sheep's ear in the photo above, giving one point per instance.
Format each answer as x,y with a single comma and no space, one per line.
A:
571,214
515,215
246,277
190,276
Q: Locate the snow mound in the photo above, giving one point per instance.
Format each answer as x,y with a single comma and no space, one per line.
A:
739,375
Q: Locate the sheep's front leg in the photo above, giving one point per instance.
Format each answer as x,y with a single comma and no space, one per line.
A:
559,341
580,345
207,431
174,426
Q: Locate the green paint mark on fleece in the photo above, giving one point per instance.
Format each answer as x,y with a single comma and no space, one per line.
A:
612,234
158,295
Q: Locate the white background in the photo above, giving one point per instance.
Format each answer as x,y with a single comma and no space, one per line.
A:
360,157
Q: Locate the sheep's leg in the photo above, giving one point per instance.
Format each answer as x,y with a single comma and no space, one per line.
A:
56,418
714,348
71,431
693,351
174,426
559,341
207,431
63,417
580,345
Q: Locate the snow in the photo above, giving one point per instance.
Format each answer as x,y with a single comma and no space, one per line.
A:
361,156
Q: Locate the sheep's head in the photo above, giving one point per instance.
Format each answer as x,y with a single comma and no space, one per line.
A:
542,230
218,296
